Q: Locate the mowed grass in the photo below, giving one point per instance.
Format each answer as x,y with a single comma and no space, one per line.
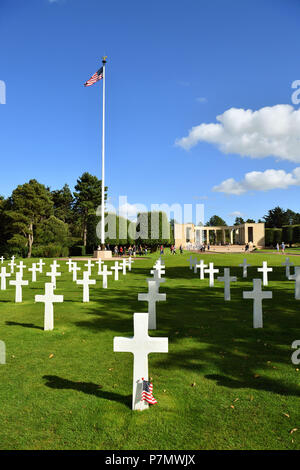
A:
223,384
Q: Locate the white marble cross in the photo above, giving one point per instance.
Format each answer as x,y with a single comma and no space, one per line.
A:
156,278
124,265
296,277
55,265
257,294
287,263
140,345
211,271
245,266
18,282
104,273
40,265
265,270
129,262
99,262
74,269
152,297
195,263
12,264
53,274
86,282
227,279
34,269
69,263
89,266
48,299
201,266
191,260
160,269
1,259
116,268
13,258
21,267
3,276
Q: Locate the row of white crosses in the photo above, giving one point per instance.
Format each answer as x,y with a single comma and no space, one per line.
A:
141,344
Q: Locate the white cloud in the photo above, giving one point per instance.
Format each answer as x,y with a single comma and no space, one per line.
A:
270,131
260,181
236,214
130,211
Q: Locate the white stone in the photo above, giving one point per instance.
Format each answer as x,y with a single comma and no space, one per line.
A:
156,278
227,279
74,269
211,271
201,266
19,283
12,264
160,269
89,266
40,265
34,269
257,294
245,266
48,299
69,263
152,297
116,268
287,263
3,276
140,345
296,277
86,282
99,262
124,266
53,274
265,270
21,267
104,273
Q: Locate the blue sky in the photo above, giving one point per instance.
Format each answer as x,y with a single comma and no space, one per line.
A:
172,66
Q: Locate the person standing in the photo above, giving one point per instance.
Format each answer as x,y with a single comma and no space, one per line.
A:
282,247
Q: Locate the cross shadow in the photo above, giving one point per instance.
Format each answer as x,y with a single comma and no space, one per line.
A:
53,381
25,325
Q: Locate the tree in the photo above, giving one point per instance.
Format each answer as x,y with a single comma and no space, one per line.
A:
276,218
63,203
153,228
250,221
239,221
30,203
87,197
216,221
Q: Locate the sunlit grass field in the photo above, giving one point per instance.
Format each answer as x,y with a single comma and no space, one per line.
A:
223,384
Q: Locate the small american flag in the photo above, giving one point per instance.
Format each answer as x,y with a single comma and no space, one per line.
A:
147,392
95,78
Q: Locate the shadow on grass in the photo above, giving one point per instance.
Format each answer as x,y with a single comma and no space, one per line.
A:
25,325
53,381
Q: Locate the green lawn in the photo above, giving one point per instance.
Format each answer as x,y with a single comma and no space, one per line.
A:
223,385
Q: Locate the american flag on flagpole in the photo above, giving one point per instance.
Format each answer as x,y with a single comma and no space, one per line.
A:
95,78
147,392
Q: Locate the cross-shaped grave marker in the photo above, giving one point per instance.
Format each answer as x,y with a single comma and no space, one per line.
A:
227,279
160,269
1,259
211,271
245,266
19,283
152,297
40,264
116,268
99,262
258,295
89,266
287,263
53,273
265,270
140,345
157,279
104,273
124,266
296,277
48,299
12,264
74,269
21,267
86,282
69,263
201,266
34,269
129,262
3,276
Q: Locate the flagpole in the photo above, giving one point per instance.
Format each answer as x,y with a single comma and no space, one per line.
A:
103,159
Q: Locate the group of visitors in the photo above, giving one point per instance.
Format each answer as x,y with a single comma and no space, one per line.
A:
131,250
282,247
